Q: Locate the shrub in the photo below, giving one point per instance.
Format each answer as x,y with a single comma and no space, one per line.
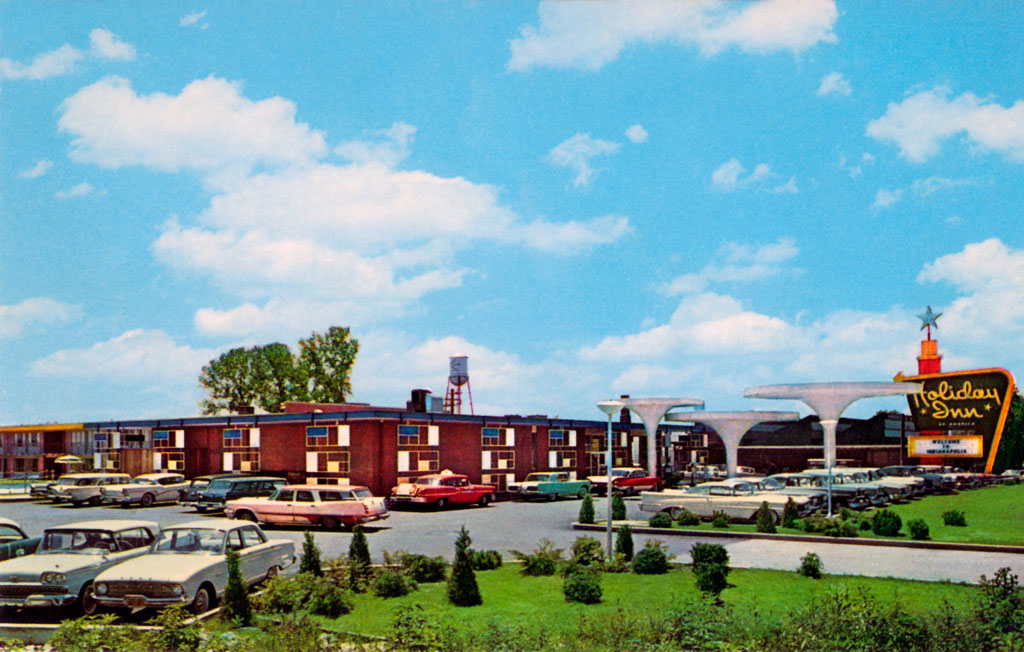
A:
624,542
462,587
171,631
886,523
391,584
359,569
304,592
954,517
485,560
790,515
661,519
651,560
810,566
686,517
765,519
618,507
423,569
918,529
710,567
583,585
89,633
310,562
587,551
237,607
587,510
720,519
543,560
839,528
864,524
1000,607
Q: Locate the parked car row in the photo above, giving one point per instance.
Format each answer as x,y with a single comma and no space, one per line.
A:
129,564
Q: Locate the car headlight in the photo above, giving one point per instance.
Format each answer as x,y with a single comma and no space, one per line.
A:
178,589
53,578
100,588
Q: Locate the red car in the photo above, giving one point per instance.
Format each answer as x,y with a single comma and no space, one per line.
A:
628,480
441,490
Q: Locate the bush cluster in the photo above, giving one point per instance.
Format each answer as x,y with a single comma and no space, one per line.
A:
485,560
686,517
765,519
710,567
790,515
831,527
720,519
586,551
304,592
582,584
954,517
423,569
661,519
811,566
651,560
392,584
918,529
544,559
886,523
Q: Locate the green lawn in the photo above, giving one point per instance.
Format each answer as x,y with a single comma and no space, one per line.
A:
532,602
995,515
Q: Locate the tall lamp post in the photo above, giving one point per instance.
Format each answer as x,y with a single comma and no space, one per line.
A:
609,408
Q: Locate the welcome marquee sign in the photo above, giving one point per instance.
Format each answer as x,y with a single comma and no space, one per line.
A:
960,414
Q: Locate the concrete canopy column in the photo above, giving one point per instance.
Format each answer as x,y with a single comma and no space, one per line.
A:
651,411
731,426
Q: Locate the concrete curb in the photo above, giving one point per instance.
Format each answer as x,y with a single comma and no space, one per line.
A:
641,528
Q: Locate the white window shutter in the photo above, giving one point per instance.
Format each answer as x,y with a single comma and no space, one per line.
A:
97,460
344,435
254,437
228,466
552,459
179,439
572,438
510,436
433,435
403,460
311,462
157,462
115,440
485,460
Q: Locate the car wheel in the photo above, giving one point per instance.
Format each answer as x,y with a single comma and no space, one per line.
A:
330,523
582,493
486,498
201,510
201,603
674,512
273,572
147,500
87,604
95,500
441,503
77,503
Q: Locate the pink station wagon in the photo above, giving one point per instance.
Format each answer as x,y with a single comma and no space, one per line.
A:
329,506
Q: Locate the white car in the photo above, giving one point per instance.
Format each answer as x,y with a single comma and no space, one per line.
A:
738,498
188,565
146,489
81,488
68,559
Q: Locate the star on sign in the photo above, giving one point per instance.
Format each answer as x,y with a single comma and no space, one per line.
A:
928,319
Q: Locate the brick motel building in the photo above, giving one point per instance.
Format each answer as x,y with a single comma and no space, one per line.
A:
379,447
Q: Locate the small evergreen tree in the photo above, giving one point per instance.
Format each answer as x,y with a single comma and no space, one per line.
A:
618,508
310,556
462,588
624,542
790,514
587,510
765,519
358,560
237,607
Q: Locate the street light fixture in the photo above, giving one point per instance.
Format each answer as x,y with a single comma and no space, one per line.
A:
610,408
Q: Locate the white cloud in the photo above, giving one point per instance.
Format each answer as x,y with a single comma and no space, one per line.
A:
41,167
133,356
834,84
885,198
920,123
637,134
193,19
210,126
37,311
79,190
107,45
589,35
727,177
736,263
855,170
575,154
44,66
390,148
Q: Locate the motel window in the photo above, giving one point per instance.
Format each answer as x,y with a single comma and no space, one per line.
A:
491,436
317,436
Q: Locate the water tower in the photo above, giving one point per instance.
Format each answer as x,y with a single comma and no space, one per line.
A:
458,375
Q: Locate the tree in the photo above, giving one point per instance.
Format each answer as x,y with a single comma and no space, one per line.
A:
587,509
233,381
282,377
462,587
237,607
310,562
326,360
624,542
358,560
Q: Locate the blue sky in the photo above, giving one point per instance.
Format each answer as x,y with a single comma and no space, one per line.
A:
587,199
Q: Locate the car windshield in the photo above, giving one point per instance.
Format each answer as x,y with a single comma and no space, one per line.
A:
67,481
77,541
220,485
362,493
620,473
8,532
142,481
537,477
189,540
429,481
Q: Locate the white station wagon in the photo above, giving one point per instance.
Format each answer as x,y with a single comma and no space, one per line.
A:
188,565
69,558
737,497
81,488
146,489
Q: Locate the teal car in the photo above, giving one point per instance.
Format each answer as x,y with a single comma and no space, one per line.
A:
14,542
549,485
